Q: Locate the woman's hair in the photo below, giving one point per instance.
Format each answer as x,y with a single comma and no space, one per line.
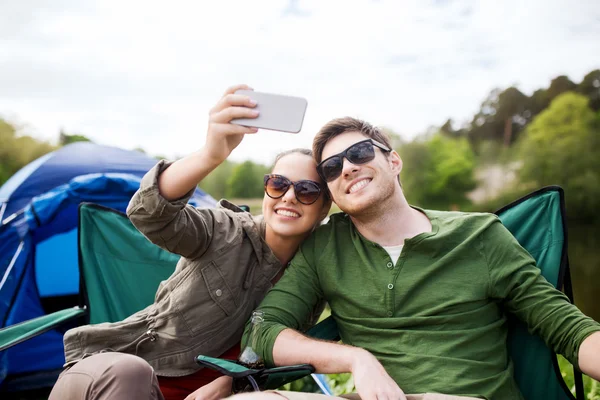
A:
306,152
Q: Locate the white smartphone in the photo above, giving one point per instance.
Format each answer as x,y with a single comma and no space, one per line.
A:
277,112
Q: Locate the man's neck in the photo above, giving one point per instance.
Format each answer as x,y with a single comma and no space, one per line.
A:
392,223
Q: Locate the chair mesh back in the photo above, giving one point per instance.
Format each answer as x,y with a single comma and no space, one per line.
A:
537,222
121,269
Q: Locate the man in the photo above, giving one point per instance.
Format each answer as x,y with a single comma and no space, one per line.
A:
418,296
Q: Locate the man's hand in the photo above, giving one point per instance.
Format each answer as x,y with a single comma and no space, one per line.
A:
371,380
216,390
223,136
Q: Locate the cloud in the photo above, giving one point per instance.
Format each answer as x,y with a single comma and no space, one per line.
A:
143,73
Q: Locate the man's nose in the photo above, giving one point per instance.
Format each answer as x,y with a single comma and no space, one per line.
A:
348,168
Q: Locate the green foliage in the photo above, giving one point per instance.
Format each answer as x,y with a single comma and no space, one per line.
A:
438,171
18,150
491,152
502,115
561,147
245,181
340,383
559,85
306,385
64,139
216,182
590,87
591,387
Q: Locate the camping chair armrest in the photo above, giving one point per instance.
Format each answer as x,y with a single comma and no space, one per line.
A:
26,330
271,378
247,379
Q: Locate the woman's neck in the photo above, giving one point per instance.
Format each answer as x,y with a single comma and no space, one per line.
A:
284,247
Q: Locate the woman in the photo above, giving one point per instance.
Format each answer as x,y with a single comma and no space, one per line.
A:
229,261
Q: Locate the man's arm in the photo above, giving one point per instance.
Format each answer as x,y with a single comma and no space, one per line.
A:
288,305
370,378
589,356
517,282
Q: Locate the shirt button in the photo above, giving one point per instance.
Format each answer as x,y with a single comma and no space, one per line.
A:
389,313
218,292
390,265
390,286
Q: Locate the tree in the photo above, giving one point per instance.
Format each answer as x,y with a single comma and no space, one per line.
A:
560,85
590,87
501,117
438,171
215,183
504,114
538,101
513,112
64,138
18,150
560,147
448,129
245,181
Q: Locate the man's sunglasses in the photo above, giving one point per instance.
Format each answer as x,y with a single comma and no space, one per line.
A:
307,192
359,153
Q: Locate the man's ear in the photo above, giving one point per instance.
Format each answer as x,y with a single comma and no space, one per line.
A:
395,162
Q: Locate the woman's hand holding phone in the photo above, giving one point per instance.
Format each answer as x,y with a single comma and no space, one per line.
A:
223,136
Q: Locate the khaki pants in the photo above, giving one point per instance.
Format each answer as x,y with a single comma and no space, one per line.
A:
122,376
108,376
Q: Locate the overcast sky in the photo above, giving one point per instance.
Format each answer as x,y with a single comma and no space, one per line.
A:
145,73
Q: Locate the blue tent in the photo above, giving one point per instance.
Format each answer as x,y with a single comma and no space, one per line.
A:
38,239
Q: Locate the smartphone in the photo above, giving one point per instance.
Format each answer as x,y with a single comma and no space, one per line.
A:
277,112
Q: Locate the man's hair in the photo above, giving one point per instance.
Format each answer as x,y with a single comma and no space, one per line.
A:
338,126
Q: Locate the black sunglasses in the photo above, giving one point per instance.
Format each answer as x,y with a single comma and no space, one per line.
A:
359,153
307,192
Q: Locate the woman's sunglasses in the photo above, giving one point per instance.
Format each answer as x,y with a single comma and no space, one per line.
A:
307,192
359,153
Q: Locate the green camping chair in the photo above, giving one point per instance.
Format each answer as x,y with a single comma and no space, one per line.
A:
113,255
538,222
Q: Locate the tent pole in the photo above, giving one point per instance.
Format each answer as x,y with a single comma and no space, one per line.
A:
11,265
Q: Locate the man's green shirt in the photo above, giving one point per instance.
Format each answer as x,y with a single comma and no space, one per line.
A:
435,319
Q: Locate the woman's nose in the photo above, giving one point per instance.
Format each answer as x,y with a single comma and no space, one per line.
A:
290,195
